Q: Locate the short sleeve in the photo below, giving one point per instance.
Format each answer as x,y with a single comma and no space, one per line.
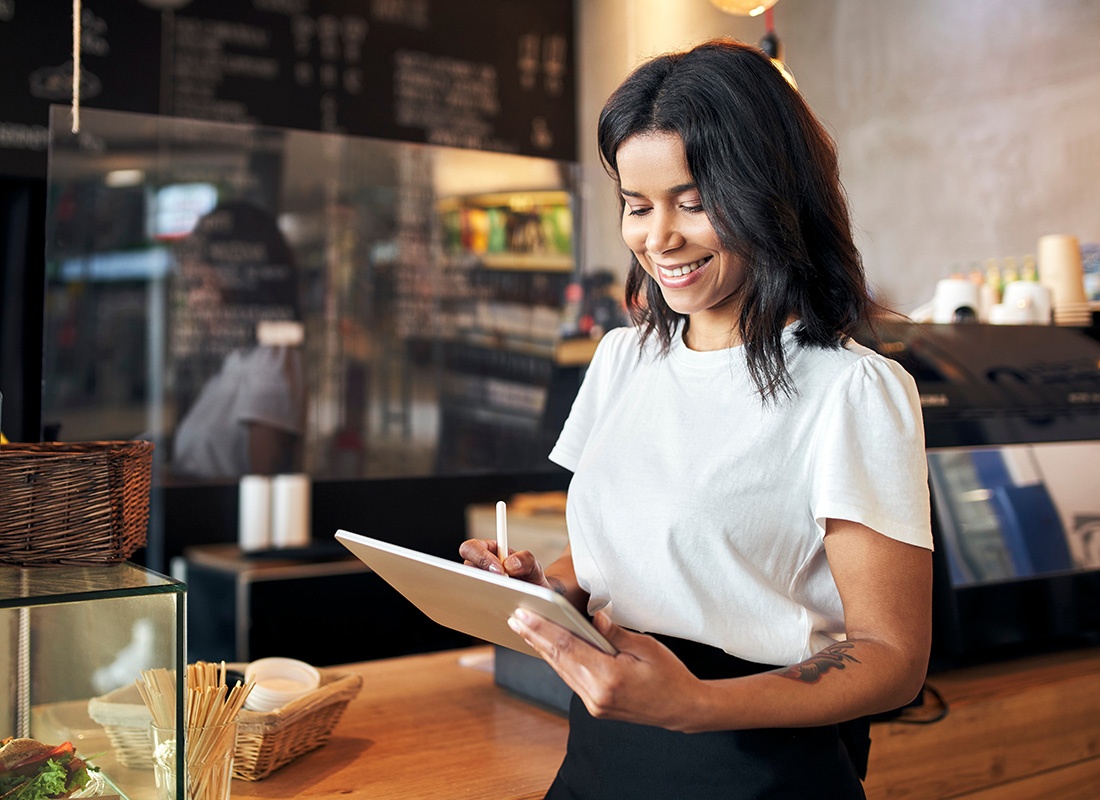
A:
594,394
869,464
272,391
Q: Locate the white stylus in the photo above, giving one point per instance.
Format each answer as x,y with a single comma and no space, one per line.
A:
502,531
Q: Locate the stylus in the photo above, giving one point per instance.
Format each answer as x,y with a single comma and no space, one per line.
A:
502,531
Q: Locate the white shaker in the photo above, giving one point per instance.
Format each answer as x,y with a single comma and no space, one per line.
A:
290,510
254,513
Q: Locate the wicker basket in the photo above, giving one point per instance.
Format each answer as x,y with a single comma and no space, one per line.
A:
265,741
79,503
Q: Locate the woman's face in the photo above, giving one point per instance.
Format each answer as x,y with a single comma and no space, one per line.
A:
666,227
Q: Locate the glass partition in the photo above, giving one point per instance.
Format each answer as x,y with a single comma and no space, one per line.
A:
372,308
1018,511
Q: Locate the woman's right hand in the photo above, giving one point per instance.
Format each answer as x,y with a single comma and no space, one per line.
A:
520,564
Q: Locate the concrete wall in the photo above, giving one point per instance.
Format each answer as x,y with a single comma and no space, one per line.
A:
966,128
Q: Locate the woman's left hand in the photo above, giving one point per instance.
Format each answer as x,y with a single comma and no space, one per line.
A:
644,682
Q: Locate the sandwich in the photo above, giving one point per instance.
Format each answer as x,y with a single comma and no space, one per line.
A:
31,770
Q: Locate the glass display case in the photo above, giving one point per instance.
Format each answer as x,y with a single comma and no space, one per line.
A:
74,634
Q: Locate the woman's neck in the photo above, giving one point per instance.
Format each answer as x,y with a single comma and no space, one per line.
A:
703,334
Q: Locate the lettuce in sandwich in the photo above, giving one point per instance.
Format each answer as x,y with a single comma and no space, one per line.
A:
31,770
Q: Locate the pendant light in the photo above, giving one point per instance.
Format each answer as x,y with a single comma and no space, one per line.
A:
770,44
744,8
773,48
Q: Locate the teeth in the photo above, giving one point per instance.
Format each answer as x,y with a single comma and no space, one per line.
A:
679,272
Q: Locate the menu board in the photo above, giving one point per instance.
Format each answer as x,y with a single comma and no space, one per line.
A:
490,75
119,59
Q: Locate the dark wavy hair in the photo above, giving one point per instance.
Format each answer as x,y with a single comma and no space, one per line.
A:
252,257
767,174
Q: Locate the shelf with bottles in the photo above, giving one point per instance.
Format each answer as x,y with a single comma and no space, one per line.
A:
520,231
507,262
485,377
508,309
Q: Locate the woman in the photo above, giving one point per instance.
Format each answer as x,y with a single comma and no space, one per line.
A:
238,368
748,516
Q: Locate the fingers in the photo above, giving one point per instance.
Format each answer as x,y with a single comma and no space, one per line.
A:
557,645
615,635
644,682
482,553
576,662
525,566
549,640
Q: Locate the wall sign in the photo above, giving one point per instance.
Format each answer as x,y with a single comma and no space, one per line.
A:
485,74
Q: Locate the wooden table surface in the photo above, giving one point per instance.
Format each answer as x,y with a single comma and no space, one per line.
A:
428,727
431,726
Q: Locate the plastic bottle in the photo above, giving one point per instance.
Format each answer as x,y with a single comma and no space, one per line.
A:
1029,272
993,279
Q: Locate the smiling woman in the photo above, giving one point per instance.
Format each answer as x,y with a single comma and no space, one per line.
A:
748,515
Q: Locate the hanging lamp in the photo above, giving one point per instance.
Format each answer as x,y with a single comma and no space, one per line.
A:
773,47
744,8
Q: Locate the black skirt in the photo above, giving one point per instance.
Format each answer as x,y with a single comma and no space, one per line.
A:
611,760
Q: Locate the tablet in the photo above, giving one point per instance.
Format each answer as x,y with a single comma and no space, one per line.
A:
465,598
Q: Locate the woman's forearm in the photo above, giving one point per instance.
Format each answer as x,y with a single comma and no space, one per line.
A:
844,681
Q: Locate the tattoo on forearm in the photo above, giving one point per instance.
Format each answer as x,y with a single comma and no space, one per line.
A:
834,656
557,585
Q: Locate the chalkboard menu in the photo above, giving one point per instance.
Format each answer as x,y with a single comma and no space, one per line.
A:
485,74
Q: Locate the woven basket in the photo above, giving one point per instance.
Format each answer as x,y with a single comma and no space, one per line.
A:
265,741
77,503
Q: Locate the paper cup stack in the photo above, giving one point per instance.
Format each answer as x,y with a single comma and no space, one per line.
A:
279,681
1061,269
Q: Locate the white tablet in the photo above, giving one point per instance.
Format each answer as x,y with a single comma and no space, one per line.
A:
465,598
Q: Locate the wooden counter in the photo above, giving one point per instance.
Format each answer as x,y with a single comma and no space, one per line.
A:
430,727
1016,730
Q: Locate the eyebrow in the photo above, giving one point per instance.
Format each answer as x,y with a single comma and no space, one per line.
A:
679,188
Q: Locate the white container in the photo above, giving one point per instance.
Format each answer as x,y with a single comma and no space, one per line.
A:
254,513
956,300
279,681
290,510
1029,301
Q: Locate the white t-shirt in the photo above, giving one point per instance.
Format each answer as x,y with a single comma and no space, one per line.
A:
697,512
258,385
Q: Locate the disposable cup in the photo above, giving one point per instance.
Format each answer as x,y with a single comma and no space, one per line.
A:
1061,268
279,681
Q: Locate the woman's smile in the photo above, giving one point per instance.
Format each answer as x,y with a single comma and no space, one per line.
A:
672,276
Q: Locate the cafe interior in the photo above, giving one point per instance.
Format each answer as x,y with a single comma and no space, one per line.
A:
426,246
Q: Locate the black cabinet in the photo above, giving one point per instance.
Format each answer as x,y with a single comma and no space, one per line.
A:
332,611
